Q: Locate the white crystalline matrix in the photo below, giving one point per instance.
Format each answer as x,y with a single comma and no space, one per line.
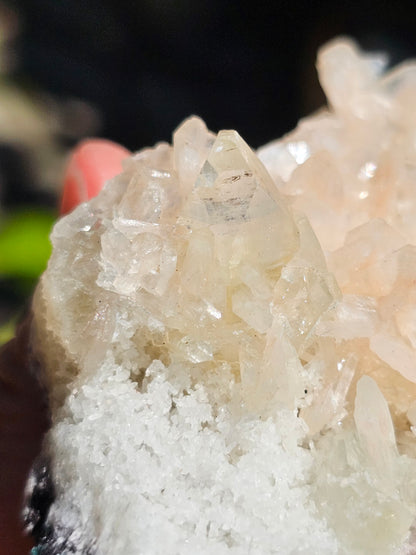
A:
230,339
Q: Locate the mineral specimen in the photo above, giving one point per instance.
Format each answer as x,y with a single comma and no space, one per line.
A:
230,339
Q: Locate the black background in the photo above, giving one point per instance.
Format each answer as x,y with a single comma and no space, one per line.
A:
149,64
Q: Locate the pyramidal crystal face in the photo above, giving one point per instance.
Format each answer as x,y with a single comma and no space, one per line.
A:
218,380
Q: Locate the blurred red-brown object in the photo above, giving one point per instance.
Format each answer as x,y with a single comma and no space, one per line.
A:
24,419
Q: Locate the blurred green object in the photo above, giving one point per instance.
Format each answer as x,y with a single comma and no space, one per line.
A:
24,243
24,253
7,331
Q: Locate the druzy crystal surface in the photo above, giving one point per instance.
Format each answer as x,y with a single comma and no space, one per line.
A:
230,337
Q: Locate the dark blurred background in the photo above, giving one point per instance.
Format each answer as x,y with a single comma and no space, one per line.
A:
132,71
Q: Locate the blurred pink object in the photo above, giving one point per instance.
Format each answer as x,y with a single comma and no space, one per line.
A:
91,164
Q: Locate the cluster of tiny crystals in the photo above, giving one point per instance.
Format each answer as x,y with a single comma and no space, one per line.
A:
230,336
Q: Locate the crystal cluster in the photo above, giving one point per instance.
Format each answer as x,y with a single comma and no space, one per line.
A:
230,338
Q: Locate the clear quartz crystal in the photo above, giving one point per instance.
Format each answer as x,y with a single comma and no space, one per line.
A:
230,338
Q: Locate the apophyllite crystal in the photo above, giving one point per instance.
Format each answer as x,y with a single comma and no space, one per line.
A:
230,339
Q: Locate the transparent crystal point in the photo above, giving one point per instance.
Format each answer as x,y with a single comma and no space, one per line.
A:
375,427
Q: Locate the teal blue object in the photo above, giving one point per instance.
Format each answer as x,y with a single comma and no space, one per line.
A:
34,551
